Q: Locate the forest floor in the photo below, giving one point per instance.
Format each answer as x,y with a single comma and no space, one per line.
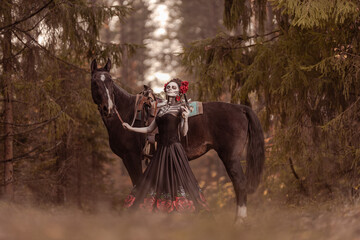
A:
266,220
272,214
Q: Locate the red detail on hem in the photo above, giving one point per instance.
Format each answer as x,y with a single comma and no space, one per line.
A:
163,205
129,201
148,204
180,204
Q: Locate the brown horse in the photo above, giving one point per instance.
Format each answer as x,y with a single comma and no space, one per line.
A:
226,128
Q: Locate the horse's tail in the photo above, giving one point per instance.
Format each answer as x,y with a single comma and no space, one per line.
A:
255,154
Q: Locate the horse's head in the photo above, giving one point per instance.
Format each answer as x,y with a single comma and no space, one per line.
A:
102,88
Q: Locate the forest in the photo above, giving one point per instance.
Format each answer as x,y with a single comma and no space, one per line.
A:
295,63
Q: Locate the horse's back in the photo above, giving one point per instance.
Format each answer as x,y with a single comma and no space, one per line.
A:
220,126
228,109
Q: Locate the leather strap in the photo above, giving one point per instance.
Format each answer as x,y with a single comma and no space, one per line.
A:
135,109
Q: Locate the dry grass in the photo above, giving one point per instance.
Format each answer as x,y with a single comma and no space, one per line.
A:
272,215
266,221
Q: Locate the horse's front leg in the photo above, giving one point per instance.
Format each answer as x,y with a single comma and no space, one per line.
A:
132,162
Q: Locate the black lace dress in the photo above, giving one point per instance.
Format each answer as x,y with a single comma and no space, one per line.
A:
168,184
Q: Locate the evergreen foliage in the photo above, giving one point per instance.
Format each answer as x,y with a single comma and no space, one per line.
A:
133,30
238,13
305,75
200,19
60,145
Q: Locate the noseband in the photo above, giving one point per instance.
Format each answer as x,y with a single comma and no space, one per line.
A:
144,97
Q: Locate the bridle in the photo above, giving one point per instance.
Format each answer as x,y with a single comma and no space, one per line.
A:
146,96
140,100
120,118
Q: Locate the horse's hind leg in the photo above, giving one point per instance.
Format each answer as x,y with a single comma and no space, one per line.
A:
234,169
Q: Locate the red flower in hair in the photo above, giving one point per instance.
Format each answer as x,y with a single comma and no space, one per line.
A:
165,86
184,87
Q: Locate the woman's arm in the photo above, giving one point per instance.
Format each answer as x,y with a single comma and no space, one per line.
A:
184,121
147,129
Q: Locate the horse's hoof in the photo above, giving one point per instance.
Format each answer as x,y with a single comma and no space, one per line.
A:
239,221
241,214
242,223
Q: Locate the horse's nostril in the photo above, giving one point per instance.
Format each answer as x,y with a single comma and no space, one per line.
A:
105,109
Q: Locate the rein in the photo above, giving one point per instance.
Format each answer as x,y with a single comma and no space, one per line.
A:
135,110
118,115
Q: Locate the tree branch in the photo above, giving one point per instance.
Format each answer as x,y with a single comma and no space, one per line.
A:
264,35
12,100
26,18
31,151
339,116
32,124
293,169
301,181
13,56
33,129
44,49
21,156
255,44
36,24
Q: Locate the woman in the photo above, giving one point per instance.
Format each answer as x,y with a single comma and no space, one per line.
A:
168,184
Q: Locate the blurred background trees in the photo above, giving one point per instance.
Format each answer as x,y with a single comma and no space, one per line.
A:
295,62
55,146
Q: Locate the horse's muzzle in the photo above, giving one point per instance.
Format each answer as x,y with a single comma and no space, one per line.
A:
105,111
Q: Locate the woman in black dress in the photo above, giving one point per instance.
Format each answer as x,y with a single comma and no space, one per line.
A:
168,184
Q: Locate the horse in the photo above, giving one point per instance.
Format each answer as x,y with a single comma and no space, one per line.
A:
227,128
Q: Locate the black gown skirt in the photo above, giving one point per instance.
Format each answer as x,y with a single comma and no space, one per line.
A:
168,184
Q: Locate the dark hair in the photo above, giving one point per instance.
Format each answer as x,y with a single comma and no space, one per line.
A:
175,80
183,87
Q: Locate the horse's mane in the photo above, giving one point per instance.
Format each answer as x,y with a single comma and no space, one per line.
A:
122,91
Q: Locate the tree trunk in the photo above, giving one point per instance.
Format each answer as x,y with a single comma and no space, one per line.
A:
61,156
8,113
269,25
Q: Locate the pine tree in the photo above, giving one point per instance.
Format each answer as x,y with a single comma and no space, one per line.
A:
134,30
8,107
200,19
59,142
305,72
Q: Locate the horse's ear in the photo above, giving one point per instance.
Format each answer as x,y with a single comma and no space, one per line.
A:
93,66
108,65
146,87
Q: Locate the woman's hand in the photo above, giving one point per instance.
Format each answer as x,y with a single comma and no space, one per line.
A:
184,123
185,112
126,126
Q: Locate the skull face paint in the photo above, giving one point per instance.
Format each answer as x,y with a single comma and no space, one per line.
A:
172,89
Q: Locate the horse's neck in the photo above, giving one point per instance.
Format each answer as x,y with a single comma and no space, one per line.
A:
124,102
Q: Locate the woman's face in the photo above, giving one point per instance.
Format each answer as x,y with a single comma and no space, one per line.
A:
172,89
